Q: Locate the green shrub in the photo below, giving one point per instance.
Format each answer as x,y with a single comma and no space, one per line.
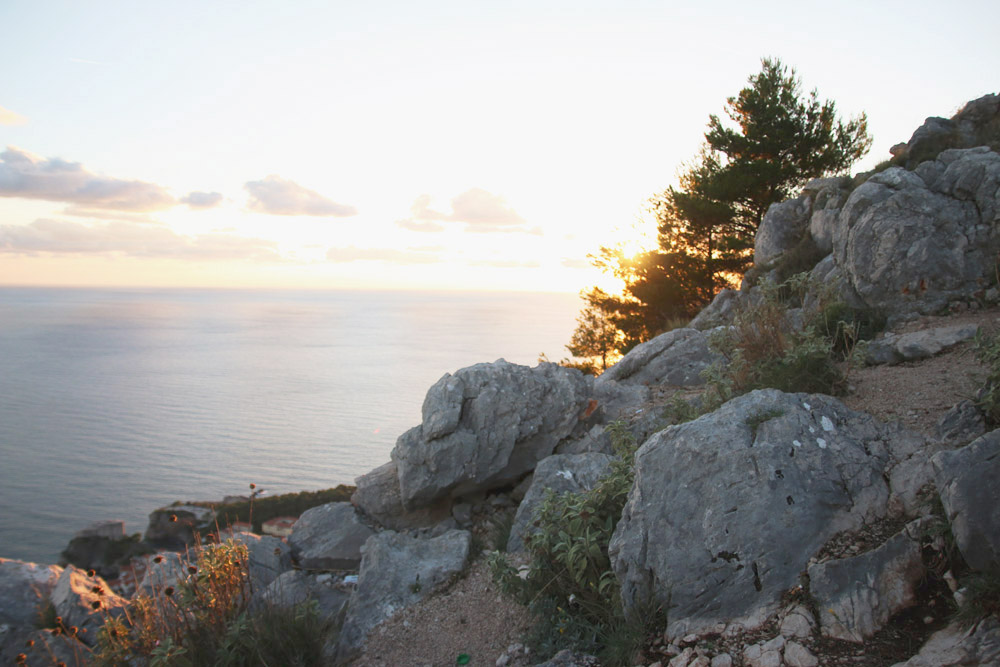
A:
569,585
988,398
762,349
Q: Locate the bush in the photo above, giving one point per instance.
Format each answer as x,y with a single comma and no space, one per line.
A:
207,619
988,397
980,597
569,586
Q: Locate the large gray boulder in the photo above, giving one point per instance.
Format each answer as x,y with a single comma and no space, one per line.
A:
398,571
727,510
720,312
85,602
957,646
560,473
329,537
905,246
674,358
963,130
377,497
967,482
782,228
23,589
486,426
829,195
856,596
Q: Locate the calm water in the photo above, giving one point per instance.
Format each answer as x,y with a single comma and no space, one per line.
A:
116,402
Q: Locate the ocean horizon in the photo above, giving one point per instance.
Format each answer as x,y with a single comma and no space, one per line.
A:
117,401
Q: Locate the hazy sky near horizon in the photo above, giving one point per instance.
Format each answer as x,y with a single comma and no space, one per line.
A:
463,145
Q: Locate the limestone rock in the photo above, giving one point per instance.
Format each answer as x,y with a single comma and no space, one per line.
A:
954,646
329,537
829,196
782,227
23,588
798,623
857,596
177,526
765,654
720,312
962,424
674,358
85,602
727,510
560,473
295,587
570,658
905,247
897,348
377,496
967,482
397,571
797,655
486,426
269,557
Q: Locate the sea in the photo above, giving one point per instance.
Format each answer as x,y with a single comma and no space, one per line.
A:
114,402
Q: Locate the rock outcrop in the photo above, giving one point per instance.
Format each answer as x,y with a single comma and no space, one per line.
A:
967,481
674,358
179,526
487,426
85,602
397,571
911,242
727,510
329,537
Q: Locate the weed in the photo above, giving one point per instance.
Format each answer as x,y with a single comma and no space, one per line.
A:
679,410
988,397
569,585
499,529
206,619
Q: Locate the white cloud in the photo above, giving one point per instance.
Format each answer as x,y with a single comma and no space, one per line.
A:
478,209
130,239
202,200
389,255
8,117
31,177
574,263
277,196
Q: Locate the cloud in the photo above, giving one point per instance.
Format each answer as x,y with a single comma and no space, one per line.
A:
478,209
277,196
129,239
202,200
8,117
574,263
507,263
32,177
83,212
389,255
418,226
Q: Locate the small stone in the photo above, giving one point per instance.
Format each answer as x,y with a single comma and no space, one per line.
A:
690,639
503,660
928,620
683,659
722,660
700,661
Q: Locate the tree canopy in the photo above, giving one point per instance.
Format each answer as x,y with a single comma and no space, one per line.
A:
773,140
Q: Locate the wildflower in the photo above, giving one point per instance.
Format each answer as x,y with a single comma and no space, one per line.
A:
168,591
73,630
29,643
192,569
173,518
58,620
158,559
96,604
91,573
20,659
98,590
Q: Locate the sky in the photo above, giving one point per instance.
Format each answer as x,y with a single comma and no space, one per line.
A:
409,145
